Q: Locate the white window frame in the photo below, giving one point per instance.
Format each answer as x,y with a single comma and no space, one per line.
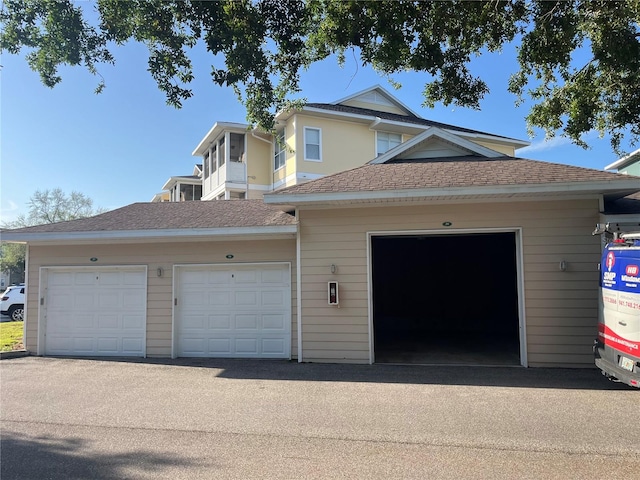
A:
378,152
319,130
280,149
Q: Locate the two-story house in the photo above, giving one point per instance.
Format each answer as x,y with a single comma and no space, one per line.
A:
318,140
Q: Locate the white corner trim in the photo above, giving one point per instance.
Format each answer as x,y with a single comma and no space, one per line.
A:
299,291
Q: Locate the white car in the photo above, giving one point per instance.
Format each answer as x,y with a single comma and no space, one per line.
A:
12,302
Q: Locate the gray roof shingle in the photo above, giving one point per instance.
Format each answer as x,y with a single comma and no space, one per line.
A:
174,215
397,118
451,172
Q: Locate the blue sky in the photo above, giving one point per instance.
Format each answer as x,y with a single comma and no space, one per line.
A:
121,146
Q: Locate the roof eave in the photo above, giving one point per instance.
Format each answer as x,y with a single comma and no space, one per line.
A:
560,189
209,234
624,161
212,134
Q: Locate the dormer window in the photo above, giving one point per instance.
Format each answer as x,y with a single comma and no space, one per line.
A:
385,141
280,151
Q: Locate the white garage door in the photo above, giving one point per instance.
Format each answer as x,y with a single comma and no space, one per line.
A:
240,311
96,312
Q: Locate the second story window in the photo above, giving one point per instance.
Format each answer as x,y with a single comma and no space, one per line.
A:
280,151
312,144
385,141
205,164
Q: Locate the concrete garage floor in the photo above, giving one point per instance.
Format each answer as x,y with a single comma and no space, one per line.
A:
95,419
476,351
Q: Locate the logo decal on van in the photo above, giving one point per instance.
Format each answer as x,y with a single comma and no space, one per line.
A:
611,260
632,270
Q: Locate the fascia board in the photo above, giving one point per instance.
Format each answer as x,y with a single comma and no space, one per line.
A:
624,161
185,180
504,190
186,233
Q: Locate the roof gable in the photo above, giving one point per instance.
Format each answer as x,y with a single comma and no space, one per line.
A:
376,98
435,143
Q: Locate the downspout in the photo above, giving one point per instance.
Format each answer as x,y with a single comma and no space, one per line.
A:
298,287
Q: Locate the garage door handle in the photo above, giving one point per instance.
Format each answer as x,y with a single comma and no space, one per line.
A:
175,301
622,323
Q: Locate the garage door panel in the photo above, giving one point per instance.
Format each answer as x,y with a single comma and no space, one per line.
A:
134,279
246,322
100,312
246,346
108,322
273,298
220,322
271,276
219,277
82,345
107,345
133,322
273,346
242,277
219,347
106,299
246,304
84,278
132,345
191,322
274,322
84,300
78,322
220,298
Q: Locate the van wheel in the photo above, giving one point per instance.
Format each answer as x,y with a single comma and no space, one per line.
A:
16,312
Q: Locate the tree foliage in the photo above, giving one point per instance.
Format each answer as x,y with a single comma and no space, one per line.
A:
259,48
45,206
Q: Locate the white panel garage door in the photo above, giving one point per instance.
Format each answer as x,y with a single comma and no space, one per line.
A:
96,312
240,311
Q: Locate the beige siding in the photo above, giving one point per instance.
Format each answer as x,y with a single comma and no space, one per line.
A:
159,289
560,307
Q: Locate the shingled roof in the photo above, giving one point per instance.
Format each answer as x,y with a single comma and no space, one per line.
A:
171,216
460,176
411,119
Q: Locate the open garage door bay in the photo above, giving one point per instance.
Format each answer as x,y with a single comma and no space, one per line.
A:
235,311
446,299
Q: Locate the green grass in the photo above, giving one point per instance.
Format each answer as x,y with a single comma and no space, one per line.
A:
10,336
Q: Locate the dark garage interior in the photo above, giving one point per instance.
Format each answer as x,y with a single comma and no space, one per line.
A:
446,299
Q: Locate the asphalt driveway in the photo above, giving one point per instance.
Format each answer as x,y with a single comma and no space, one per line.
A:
97,419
